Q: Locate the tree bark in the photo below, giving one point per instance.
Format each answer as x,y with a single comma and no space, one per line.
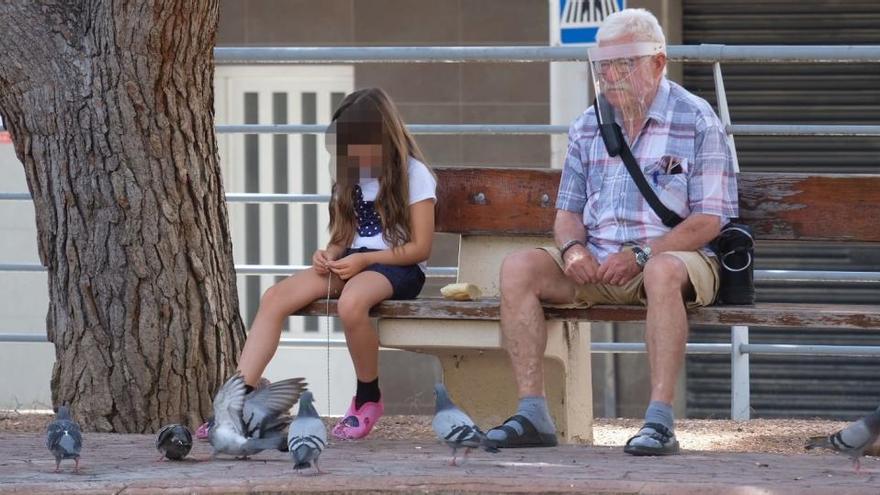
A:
110,108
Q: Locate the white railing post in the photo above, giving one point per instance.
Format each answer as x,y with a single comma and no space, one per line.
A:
739,374
724,111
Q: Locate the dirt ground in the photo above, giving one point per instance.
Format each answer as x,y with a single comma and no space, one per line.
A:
772,436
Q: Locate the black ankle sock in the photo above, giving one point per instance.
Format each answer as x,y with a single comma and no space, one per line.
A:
367,392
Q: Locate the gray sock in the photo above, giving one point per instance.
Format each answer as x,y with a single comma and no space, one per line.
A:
535,410
660,412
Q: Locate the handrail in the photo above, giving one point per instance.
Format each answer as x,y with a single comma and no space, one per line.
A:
761,276
705,53
596,347
432,271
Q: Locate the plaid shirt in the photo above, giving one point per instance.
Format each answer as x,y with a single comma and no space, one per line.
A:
684,155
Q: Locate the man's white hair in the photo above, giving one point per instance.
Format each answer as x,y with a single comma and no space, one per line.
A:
638,23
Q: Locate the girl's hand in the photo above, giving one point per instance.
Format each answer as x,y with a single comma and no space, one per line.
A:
320,261
349,266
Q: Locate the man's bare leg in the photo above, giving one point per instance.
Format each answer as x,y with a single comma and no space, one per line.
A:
529,278
666,329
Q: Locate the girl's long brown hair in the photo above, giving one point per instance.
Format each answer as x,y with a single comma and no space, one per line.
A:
368,116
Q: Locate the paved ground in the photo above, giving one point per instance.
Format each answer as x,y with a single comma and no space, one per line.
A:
114,463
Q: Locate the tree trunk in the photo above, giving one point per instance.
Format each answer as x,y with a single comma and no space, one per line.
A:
110,108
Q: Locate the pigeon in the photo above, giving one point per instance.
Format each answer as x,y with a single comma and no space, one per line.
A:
308,435
202,431
454,427
852,440
248,423
64,439
174,442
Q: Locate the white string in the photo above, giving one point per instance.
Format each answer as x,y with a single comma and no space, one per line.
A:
327,310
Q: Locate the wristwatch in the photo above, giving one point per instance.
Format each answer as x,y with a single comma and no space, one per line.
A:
643,254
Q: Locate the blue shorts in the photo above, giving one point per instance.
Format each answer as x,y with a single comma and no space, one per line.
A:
407,281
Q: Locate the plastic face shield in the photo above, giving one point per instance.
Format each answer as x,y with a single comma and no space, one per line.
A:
623,81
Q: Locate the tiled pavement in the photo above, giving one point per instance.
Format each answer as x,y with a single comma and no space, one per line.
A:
113,463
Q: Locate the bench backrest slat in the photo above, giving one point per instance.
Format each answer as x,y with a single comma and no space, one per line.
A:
778,206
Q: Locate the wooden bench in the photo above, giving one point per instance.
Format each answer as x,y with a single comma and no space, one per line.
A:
497,211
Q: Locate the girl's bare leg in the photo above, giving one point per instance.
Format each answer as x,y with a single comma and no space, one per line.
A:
362,292
277,303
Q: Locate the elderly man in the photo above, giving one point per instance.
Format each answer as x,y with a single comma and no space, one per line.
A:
611,248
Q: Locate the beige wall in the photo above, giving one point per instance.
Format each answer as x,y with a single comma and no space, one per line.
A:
425,93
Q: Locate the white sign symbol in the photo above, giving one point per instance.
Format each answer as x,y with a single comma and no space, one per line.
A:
580,19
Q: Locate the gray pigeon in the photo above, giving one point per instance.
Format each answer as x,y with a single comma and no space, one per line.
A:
307,436
174,442
64,439
248,423
454,427
852,440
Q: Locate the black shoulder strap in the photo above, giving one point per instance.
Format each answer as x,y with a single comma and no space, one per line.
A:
615,144
667,216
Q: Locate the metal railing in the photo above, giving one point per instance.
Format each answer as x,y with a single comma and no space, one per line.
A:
739,348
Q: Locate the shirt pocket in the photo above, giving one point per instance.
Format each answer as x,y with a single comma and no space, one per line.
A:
668,177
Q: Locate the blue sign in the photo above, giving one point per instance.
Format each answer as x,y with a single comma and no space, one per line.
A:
580,19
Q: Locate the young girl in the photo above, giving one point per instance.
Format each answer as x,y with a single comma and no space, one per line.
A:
381,229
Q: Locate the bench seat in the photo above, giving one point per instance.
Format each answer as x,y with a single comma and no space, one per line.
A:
778,315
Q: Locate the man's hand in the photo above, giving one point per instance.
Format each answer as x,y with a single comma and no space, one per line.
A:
580,265
619,268
349,266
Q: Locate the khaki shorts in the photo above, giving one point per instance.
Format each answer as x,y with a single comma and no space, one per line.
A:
702,270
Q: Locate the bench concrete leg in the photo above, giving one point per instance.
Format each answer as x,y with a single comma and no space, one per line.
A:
578,393
479,378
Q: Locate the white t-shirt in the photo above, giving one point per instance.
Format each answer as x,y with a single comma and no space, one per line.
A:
422,186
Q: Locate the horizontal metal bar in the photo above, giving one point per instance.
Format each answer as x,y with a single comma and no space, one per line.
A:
635,348
311,343
15,196
277,198
541,129
597,347
812,350
230,197
761,276
23,337
41,337
22,267
432,271
802,276
705,53
506,129
395,54
533,129
803,130
709,53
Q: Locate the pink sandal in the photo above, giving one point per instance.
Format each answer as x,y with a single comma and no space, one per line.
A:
202,431
357,423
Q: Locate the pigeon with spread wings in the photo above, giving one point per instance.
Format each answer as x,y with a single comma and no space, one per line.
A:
246,423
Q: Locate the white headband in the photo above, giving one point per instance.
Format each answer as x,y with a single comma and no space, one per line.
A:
640,49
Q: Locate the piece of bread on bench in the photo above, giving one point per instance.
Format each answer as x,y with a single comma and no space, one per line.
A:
461,292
